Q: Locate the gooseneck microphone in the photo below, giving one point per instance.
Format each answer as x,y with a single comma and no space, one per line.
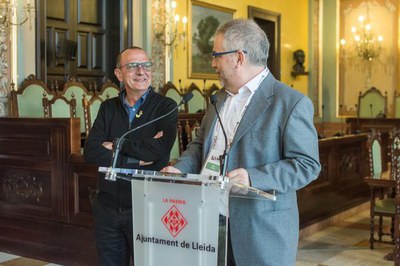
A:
110,174
223,159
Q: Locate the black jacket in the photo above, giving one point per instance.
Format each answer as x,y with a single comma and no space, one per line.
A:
111,122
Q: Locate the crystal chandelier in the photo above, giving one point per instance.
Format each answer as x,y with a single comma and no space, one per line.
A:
367,45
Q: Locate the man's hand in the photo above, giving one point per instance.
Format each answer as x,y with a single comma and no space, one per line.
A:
171,169
156,136
108,145
240,176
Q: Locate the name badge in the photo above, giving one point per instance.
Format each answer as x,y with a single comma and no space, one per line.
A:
212,165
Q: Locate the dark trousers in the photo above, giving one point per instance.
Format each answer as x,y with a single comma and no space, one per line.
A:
230,260
113,233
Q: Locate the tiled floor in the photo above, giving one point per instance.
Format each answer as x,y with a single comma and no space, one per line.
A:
7,259
344,244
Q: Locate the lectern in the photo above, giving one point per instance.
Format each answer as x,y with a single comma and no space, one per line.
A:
181,219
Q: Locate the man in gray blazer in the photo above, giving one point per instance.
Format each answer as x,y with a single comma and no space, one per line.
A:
272,145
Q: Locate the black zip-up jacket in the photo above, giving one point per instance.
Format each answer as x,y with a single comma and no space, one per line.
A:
112,122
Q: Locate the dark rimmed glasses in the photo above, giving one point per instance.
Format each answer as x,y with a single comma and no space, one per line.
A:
216,55
133,66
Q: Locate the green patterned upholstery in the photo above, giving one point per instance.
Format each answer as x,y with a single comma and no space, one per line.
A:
372,104
198,104
174,95
76,90
385,205
59,106
90,108
376,159
27,101
396,104
109,90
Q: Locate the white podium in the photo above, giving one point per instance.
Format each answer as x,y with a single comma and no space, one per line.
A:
181,219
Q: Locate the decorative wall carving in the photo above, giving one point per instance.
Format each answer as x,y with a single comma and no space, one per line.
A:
348,162
23,187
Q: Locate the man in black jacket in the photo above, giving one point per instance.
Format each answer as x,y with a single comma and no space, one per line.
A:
146,148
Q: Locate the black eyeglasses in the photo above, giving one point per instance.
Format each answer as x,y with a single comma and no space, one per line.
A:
133,66
216,55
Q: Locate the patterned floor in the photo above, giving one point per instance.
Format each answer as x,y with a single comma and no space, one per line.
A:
345,244
7,259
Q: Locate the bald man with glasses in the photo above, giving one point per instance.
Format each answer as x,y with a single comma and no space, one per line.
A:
147,148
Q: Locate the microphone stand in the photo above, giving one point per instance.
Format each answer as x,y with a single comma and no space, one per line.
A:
223,159
322,135
110,174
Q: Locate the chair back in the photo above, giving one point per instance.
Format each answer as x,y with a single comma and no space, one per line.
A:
211,91
374,147
396,105
394,150
27,101
90,109
372,104
76,90
172,92
198,104
109,90
59,106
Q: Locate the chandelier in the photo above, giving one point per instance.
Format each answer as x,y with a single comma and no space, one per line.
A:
367,46
168,32
10,15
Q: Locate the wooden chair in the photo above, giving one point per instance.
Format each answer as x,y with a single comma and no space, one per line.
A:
176,150
27,101
211,91
372,104
108,90
396,105
395,154
171,91
90,109
76,90
198,104
382,201
59,106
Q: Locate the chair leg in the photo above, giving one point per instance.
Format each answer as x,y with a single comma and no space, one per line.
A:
371,237
380,230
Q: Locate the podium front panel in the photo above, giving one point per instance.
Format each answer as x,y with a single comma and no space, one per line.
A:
175,223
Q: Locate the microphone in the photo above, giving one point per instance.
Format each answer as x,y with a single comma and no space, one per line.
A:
223,159
371,107
357,130
110,174
322,135
341,133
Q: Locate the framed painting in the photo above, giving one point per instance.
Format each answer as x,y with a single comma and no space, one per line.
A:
203,23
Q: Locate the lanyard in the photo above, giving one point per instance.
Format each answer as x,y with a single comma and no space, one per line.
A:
217,126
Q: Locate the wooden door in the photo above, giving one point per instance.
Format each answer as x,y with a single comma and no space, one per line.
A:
80,39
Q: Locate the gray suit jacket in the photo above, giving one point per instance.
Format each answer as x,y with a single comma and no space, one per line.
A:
276,142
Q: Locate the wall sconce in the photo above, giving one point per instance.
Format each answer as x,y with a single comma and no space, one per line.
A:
169,34
9,16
